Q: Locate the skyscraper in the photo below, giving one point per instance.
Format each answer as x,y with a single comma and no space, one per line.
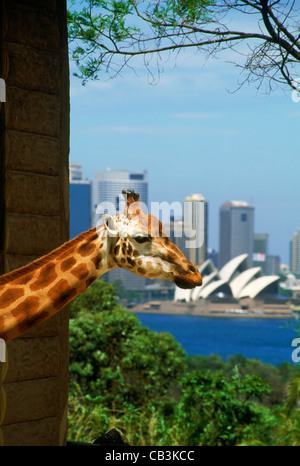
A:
80,201
196,219
108,186
260,251
236,230
295,252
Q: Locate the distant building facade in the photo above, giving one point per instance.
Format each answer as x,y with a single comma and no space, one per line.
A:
272,265
196,219
260,251
80,191
213,255
295,252
175,231
236,231
108,186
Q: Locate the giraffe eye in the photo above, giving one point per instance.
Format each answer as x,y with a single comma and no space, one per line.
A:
142,239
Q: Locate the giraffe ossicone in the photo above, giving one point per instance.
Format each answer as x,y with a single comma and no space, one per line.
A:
131,240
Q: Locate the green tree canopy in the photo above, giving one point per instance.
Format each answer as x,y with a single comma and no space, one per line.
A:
113,355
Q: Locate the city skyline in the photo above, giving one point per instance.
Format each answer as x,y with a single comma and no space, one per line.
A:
193,136
117,175
236,231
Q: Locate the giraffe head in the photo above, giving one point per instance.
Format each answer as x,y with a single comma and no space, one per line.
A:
139,243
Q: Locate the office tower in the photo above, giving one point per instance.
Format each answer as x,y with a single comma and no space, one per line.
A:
295,252
213,255
272,265
236,229
175,231
196,228
260,251
80,201
108,186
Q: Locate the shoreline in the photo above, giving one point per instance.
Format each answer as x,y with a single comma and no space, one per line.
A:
224,310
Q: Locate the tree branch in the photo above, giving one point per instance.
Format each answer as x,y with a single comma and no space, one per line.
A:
173,25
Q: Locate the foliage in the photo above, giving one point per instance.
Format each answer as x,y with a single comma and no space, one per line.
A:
97,298
105,35
124,375
111,353
127,296
216,410
276,377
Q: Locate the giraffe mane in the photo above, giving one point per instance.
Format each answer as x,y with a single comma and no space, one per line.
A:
45,259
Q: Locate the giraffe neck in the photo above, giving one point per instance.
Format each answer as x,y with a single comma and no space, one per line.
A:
32,294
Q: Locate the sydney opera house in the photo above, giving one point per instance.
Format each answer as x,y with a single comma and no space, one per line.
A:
234,280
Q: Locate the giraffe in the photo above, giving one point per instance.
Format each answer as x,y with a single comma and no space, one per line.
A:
131,240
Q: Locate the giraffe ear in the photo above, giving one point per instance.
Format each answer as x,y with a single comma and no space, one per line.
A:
110,225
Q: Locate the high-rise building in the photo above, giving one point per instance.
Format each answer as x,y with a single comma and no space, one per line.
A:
236,230
108,186
260,251
295,252
196,221
80,191
272,265
175,231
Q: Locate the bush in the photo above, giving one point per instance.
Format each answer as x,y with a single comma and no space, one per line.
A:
126,376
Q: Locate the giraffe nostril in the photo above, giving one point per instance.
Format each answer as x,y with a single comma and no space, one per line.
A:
192,268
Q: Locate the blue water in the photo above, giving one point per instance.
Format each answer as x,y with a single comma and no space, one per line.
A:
269,340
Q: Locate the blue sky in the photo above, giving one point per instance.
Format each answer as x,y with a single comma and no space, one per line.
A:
194,135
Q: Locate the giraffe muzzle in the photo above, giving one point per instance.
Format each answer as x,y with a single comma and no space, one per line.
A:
188,283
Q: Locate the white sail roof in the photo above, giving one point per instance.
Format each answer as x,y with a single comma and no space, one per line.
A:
257,286
229,269
243,279
214,287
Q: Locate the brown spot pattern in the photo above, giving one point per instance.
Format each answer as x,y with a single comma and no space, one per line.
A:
130,262
46,276
116,250
142,271
93,237
67,264
24,280
27,307
86,249
27,315
60,294
90,280
80,272
10,296
97,260
32,321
